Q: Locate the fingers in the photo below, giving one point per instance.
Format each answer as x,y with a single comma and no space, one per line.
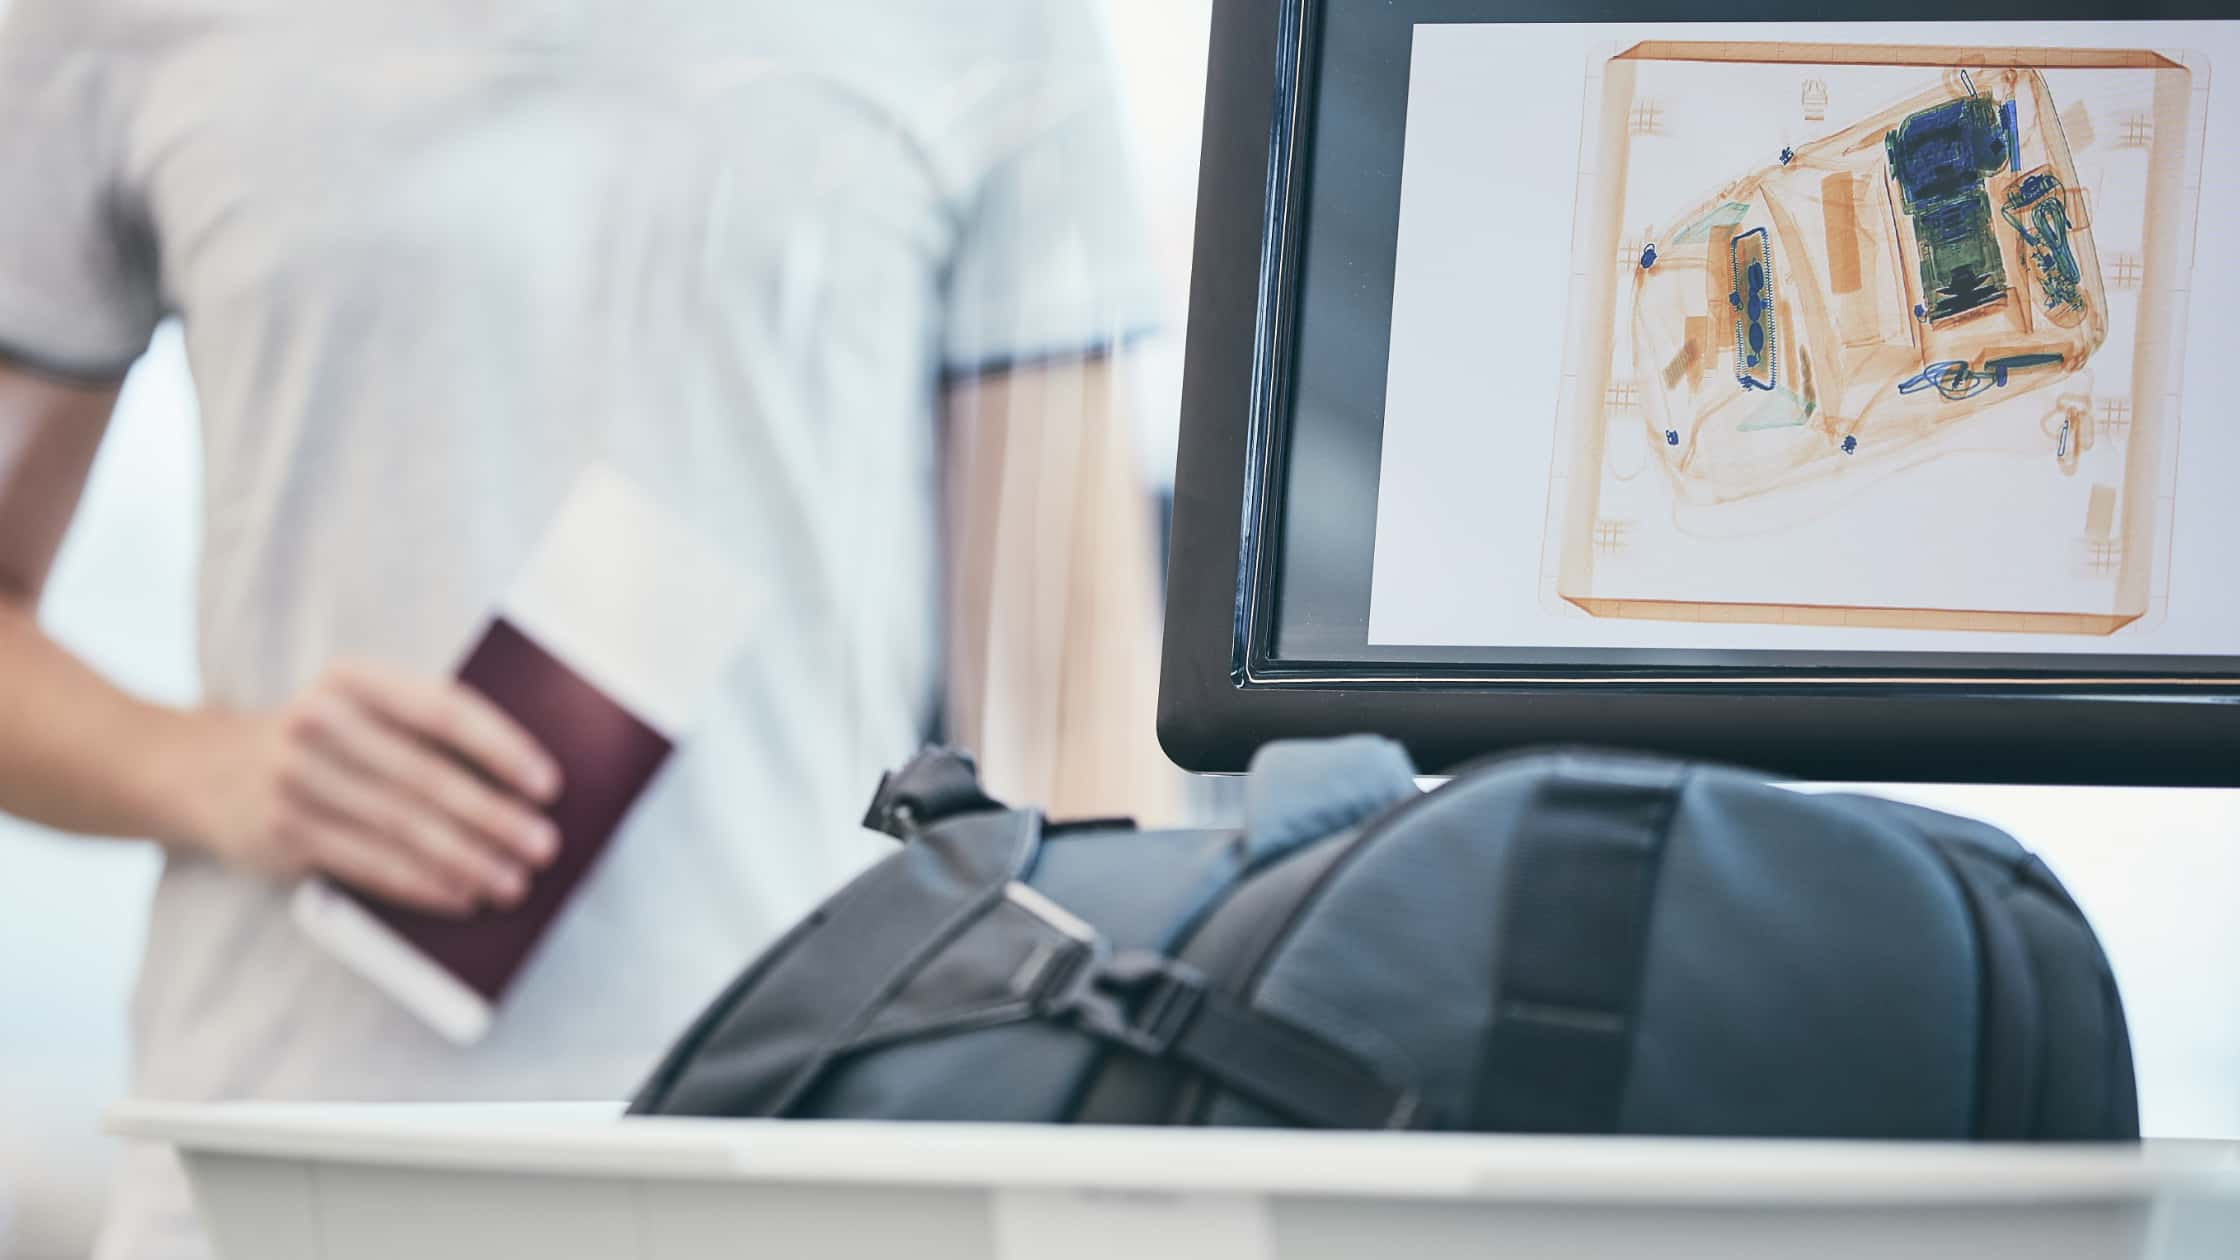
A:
431,799
335,795
374,865
378,786
456,718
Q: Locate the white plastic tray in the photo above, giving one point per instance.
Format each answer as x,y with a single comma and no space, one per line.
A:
575,1182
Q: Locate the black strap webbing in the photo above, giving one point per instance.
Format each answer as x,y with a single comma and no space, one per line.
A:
1283,1068
1130,1089
1574,927
1164,1010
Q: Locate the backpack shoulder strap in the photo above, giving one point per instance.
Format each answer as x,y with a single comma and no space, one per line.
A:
770,1037
1575,925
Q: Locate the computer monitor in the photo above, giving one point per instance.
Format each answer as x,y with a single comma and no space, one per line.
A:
1854,397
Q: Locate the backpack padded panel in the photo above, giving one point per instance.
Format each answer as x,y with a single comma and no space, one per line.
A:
1812,972
1804,975
1394,959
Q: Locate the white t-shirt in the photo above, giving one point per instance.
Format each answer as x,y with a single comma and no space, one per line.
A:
432,258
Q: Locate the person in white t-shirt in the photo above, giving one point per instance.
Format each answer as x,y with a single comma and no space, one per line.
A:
807,272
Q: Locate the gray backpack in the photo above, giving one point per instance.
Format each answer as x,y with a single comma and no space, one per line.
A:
1560,942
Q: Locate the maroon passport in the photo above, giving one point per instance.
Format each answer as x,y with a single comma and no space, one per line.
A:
606,757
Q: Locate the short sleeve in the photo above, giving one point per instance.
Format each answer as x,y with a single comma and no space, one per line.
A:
78,294
1051,254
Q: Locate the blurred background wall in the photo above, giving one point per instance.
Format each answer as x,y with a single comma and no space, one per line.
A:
2158,871
71,911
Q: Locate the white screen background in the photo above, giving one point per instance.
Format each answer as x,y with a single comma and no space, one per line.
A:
1472,397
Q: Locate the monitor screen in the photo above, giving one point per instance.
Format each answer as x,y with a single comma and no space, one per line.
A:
1831,340
1704,351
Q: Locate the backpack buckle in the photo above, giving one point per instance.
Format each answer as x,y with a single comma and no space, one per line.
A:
1142,1000
1135,998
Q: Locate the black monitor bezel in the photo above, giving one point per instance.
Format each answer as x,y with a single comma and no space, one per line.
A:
1225,690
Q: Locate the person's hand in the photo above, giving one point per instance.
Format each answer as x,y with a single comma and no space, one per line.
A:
419,792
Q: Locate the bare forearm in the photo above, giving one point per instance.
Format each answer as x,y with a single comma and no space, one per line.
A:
79,754
1109,760
418,791
1053,648
75,751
